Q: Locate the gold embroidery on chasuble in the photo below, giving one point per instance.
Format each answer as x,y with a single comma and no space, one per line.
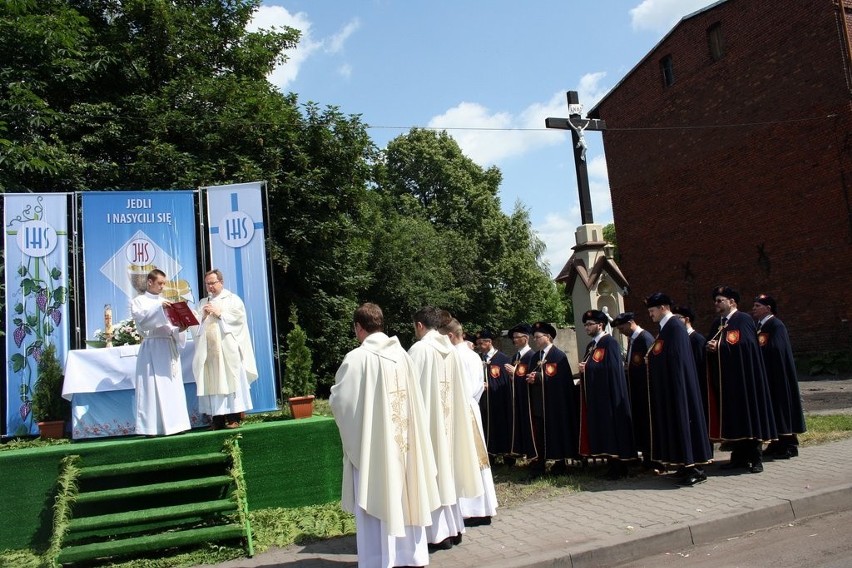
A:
399,414
447,405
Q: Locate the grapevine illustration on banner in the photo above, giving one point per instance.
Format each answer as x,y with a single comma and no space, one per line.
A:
36,302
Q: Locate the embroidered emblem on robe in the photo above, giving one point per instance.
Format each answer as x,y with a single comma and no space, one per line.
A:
494,371
598,355
521,369
762,339
550,369
733,337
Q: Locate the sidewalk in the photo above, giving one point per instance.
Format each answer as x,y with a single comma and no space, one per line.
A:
614,522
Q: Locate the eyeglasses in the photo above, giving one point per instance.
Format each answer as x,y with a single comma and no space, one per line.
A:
518,336
213,283
538,336
720,300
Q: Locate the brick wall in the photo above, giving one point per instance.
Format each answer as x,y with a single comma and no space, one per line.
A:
740,173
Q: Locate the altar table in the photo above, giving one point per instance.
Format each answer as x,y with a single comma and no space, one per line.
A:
100,385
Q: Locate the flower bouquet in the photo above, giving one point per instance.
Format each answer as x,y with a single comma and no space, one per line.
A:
123,333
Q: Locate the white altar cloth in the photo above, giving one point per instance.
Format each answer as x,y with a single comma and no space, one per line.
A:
100,385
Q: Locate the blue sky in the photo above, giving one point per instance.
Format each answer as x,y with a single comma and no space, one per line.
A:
487,71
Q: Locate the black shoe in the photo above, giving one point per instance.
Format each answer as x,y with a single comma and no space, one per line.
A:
558,468
477,521
694,478
457,539
445,544
682,473
792,451
756,467
734,464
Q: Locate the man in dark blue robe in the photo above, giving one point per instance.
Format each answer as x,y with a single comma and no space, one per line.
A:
553,403
783,380
638,343
496,402
606,430
679,437
517,369
739,404
697,342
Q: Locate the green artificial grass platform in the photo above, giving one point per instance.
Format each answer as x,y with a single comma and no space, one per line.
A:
288,463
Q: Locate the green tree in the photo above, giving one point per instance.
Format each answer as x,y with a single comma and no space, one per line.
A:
480,264
299,377
426,176
99,94
529,293
609,236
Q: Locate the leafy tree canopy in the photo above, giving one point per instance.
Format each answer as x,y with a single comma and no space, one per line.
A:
156,94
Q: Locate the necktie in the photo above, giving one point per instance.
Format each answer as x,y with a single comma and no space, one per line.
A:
629,349
724,321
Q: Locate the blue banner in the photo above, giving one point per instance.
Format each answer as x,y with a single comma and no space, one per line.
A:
238,249
126,234
36,245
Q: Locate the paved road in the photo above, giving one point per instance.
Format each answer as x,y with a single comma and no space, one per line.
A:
815,542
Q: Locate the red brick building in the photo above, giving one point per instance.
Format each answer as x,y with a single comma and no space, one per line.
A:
729,149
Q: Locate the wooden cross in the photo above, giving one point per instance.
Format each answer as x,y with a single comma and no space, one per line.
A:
578,125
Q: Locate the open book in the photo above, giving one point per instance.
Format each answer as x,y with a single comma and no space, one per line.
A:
179,314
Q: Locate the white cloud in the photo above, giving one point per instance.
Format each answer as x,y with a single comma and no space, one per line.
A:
558,230
662,15
345,70
275,17
599,189
334,44
558,234
489,137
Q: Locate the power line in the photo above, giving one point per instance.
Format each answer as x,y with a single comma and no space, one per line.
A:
616,129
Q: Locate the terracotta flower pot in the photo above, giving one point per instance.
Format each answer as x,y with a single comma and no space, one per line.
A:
301,406
53,429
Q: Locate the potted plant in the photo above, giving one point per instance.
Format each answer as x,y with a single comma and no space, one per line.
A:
50,410
300,383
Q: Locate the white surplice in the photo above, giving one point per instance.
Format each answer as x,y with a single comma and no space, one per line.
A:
442,385
224,364
486,504
160,396
389,473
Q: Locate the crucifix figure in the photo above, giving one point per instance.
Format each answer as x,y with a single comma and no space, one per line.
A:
578,125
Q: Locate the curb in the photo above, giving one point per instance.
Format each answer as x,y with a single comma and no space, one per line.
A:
619,551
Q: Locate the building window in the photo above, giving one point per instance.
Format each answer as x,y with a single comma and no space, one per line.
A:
667,67
716,41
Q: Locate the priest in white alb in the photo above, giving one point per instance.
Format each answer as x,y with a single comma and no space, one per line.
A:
224,364
451,430
160,396
389,473
475,510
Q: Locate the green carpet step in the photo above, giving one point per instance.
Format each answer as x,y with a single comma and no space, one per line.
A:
153,514
147,543
154,488
152,465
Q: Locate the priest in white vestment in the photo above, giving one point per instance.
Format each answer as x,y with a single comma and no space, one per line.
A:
224,363
160,396
389,474
443,388
476,510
